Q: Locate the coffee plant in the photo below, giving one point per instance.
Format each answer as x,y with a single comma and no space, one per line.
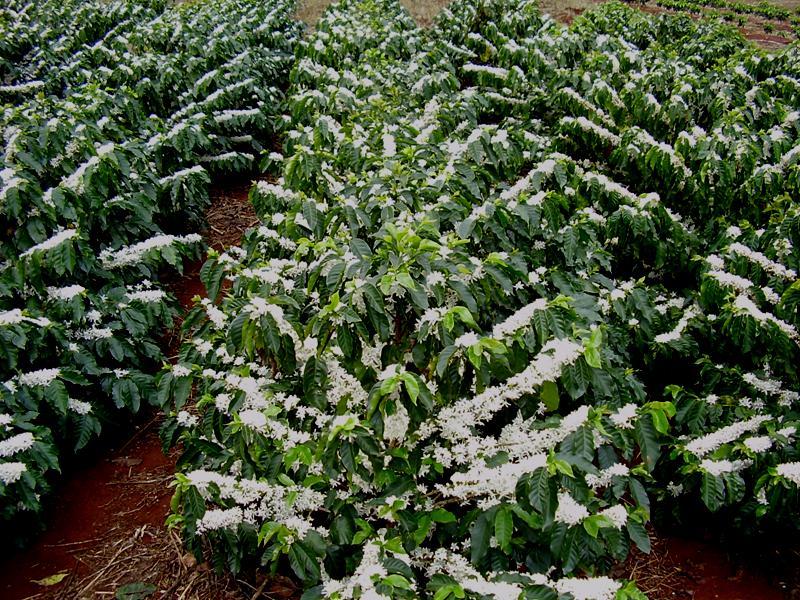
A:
115,115
515,280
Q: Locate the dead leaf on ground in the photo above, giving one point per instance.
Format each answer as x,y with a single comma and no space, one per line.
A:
52,580
189,561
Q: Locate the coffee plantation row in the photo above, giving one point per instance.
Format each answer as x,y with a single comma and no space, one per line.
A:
763,9
738,12
518,288
115,116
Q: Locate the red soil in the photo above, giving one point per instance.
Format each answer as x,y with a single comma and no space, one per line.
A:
680,568
710,575
189,285
113,496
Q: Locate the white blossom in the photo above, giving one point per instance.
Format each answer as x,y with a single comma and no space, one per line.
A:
466,340
745,305
41,378
16,444
389,146
254,419
11,472
79,406
570,512
708,443
518,320
597,588
770,266
65,293
790,471
720,467
186,419
54,242
147,296
617,514
131,255
678,330
758,444
498,72
395,425
181,371
216,518
623,417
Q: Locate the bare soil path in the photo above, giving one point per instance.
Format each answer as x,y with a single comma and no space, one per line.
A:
107,530
681,568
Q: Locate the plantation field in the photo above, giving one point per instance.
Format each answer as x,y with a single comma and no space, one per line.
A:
424,13
486,304
767,28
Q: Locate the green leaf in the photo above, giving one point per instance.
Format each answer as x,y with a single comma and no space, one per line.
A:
397,581
648,441
193,504
406,281
452,590
314,377
135,591
576,378
312,216
594,523
735,487
334,276
592,356
211,274
465,295
360,248
304,563
549,395
712,491
412,386
639,535
480,536
444,359
592,350
58,395
591,526
474,354
504,528
660,421
561,466
440,515
541,495
630,592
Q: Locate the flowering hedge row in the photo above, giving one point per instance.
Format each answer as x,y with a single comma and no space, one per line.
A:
39,37
515,281
115,115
